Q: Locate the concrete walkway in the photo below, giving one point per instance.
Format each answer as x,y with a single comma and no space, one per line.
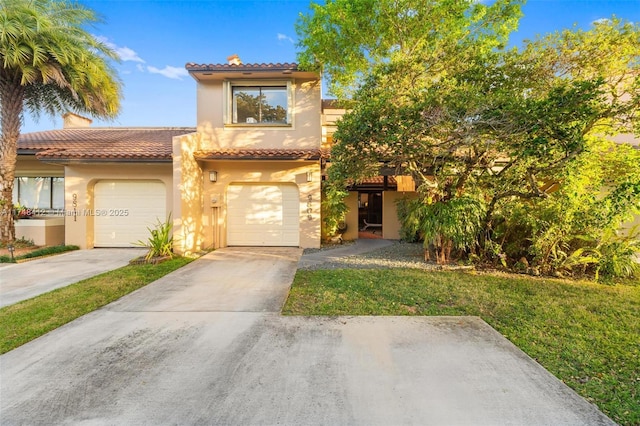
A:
21,281
207,345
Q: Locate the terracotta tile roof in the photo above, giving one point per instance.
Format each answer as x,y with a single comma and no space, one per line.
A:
261,154
286,66
129,144
378,180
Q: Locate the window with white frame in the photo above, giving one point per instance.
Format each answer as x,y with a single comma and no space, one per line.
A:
259,103
46,193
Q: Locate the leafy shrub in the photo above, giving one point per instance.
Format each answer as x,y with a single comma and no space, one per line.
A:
617,255
445,226
160,242
333,209
574,229
49,250
409,220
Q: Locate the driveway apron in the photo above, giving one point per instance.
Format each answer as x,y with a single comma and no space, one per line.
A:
207,345
21,281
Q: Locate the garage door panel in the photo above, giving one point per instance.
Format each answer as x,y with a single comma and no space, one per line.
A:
126,210
263,215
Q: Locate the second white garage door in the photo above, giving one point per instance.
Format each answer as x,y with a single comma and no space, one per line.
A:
125,209
263,215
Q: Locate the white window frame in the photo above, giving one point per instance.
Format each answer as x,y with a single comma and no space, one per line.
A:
228,86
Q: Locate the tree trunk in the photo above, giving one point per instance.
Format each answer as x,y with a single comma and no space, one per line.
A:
11,105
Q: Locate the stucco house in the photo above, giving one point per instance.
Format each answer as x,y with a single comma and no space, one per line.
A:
250,173
94,187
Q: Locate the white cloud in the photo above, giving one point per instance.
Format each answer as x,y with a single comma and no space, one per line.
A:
601,21
284,37
123,52
127,54
169,72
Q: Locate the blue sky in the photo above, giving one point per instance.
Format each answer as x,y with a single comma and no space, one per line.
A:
156,38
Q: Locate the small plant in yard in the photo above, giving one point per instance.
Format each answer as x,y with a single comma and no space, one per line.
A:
160,242
22,212
21,242
617,255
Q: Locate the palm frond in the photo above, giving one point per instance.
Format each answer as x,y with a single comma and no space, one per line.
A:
45,42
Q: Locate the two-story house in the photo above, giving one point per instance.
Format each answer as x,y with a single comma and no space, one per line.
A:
249,174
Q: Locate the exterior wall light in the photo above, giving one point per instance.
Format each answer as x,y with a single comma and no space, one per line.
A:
309,176
213,176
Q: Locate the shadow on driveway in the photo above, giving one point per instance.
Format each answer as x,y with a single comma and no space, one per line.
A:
205,345
21,281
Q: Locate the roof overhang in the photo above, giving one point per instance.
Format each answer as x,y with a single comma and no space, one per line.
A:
261,154
218,72
110,161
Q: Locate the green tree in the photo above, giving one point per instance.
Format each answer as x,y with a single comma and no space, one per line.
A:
477,126
50,64
346,39
581,87
577,227
382,54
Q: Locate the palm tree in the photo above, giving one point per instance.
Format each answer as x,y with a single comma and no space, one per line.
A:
50,64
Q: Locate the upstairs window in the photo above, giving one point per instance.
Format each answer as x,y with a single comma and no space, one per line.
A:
259,104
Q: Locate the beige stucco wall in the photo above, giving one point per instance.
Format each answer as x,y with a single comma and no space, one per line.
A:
305,132
28,166
42,231
628,226
80,181
188,204
351,216
390,223
199,205
627,138
215,195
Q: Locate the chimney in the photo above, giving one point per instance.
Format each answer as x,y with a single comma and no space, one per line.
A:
75,121
234,60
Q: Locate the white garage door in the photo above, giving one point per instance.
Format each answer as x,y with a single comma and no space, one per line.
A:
124,209
263,215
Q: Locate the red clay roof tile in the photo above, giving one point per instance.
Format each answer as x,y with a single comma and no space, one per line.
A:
379,180
107,143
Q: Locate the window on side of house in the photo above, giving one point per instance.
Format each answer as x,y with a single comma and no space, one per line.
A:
253,104
43,193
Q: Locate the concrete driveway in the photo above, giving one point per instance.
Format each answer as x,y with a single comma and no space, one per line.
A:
21,281
206,345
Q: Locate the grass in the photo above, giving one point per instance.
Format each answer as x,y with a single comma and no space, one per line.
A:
27,320
586,334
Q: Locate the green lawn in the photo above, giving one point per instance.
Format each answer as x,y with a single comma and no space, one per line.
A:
586,334
27,320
